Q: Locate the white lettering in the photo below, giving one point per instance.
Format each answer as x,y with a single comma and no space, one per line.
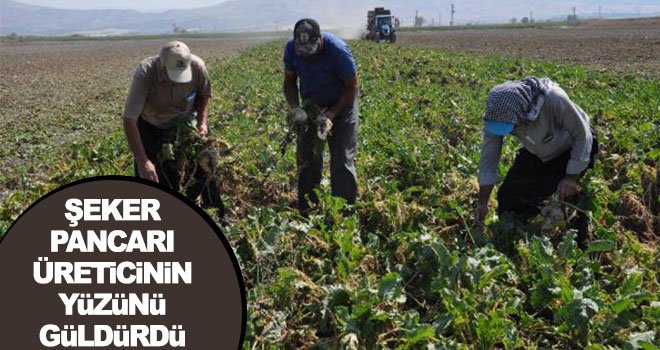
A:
74,212
97,209
116,241
106,336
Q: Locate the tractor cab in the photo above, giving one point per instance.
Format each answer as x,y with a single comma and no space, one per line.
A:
384,24
381,25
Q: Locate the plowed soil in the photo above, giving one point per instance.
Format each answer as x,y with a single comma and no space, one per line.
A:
53,93
623,46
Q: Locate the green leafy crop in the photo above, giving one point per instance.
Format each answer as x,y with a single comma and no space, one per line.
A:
407,270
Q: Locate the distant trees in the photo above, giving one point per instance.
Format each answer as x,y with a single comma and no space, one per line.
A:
573,17
419,21
178,30
14,37
524,20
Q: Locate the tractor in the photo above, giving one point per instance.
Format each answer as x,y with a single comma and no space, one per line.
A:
381,25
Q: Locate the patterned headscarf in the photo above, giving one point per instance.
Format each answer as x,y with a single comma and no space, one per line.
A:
515,101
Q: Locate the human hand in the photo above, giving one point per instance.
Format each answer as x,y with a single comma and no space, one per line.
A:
324,125
480,213
567,186
203,130
147,170
296,116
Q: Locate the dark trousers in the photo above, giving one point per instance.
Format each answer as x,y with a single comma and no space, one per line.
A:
530,181
153,139
343,150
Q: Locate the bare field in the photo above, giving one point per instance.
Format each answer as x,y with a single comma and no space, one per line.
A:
53,93
622,46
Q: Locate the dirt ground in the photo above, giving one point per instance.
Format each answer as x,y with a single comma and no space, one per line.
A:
55,92
622,46
53,76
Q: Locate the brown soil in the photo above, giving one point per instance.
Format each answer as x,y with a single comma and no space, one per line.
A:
622,46
55,92
636,217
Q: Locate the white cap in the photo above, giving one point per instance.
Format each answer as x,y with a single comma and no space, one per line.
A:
175,56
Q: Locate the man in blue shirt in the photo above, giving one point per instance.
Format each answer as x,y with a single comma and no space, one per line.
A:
326,69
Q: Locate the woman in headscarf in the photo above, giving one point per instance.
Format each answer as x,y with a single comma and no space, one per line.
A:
558,147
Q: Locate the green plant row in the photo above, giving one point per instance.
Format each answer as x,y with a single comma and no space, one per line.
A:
408,270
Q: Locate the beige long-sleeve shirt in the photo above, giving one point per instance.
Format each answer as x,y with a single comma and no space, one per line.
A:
560,126
160,101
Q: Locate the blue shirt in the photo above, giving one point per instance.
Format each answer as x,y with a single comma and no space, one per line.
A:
321,79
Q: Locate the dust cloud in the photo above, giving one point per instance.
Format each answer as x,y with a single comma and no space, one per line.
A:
347,19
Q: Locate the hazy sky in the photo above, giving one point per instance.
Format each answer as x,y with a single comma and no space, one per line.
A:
123,4
484,9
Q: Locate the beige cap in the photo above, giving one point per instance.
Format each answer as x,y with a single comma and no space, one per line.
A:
175,56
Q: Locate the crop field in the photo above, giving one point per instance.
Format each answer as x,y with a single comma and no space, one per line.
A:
407,270
55,95
623,46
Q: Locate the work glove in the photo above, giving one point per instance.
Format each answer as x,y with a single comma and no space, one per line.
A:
297,116
324,125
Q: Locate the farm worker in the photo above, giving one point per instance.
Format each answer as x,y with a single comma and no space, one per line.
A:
326,69
558,147
167,89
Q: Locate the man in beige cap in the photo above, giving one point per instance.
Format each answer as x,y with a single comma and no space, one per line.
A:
167,89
